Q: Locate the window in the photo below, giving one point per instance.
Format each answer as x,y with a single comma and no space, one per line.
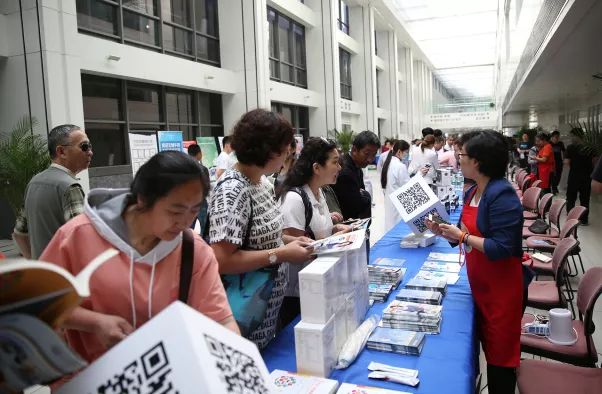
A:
298,116
343,18
345,71
378,76
114,107
186,28
287,50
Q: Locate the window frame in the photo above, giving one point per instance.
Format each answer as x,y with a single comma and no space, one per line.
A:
162,23
297,112
165,123
346,83
275,63
343,15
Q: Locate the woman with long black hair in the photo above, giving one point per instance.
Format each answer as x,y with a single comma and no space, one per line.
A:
393,176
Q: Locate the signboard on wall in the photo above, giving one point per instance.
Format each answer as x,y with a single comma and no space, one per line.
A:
170,140
142,148
452,120
209,148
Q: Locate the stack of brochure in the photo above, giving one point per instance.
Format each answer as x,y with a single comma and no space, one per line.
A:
379,293
388,262
397,341
292,383
448,277
435,284
412,316
441,266
446,257
420,296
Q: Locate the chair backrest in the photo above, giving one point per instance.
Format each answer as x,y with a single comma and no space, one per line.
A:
590,288
559,258
576,213
530,198
519,174
520,178
536,183
544,205
569,228
526,183
555,211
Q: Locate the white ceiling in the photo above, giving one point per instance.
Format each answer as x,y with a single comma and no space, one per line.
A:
459,38
561,79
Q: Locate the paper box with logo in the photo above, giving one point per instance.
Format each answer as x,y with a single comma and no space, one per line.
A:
292,383
315,348
179,350
415,201
443,177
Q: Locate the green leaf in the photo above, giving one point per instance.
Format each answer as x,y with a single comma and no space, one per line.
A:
23,154
344,139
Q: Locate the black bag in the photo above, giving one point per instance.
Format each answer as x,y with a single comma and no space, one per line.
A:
186,265
309,210
539,226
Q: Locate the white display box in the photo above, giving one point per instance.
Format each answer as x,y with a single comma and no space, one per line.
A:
321,289
292,383
315,348
179,350
415,201
443,177
348,388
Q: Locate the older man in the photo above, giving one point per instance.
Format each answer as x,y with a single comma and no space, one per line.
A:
55,195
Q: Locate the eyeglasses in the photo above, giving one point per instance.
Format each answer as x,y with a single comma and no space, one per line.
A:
463,154
84,146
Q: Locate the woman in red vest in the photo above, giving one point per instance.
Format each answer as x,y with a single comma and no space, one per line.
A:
545,161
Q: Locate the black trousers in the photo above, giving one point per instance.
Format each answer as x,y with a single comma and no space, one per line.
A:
556,178
578,186
501,380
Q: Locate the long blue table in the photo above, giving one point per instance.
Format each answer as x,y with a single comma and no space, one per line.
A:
448,362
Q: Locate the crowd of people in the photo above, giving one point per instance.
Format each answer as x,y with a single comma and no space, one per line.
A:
258,222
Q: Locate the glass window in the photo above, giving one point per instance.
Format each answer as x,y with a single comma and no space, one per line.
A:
206,17
345,73
177,29
140,28
176,39
144,104
210,107
102,98
177,11
287,50
180,107
148,7
109,144
343,19
298,116
97,15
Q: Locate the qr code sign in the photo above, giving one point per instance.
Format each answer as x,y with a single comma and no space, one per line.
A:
420,221
150,374
413,198
237,370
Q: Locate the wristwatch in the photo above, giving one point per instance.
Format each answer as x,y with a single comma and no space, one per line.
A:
272,257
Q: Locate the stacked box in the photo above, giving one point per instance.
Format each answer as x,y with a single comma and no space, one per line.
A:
444,177
334,300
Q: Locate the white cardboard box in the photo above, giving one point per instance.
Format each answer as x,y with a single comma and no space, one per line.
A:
443,177
315,348
291,383
179,350
321,289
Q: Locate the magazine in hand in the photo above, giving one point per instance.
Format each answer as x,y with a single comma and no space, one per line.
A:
358,224
339,243
35,297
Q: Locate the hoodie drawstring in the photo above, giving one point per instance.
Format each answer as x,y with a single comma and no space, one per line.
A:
132,302
150,289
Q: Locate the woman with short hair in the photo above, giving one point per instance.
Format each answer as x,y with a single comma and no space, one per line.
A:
245,225
490,230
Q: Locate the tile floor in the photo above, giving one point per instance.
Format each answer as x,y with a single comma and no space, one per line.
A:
588,236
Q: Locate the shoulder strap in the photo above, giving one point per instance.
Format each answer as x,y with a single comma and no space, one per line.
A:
308,208
186,264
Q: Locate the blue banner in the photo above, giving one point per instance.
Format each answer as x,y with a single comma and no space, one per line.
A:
170,140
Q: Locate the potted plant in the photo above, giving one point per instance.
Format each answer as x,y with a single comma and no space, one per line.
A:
592,138
23,154
344,139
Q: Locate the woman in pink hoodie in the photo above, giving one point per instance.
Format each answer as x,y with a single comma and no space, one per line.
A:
145,224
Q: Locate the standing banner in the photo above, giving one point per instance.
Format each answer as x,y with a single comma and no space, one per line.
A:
142,148
209,148
170,140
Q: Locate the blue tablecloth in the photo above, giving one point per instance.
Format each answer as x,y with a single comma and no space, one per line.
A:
448,362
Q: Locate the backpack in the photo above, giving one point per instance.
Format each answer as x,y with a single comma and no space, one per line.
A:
309,210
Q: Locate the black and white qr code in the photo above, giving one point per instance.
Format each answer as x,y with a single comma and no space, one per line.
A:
149,374
238,371
413,198
419,222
